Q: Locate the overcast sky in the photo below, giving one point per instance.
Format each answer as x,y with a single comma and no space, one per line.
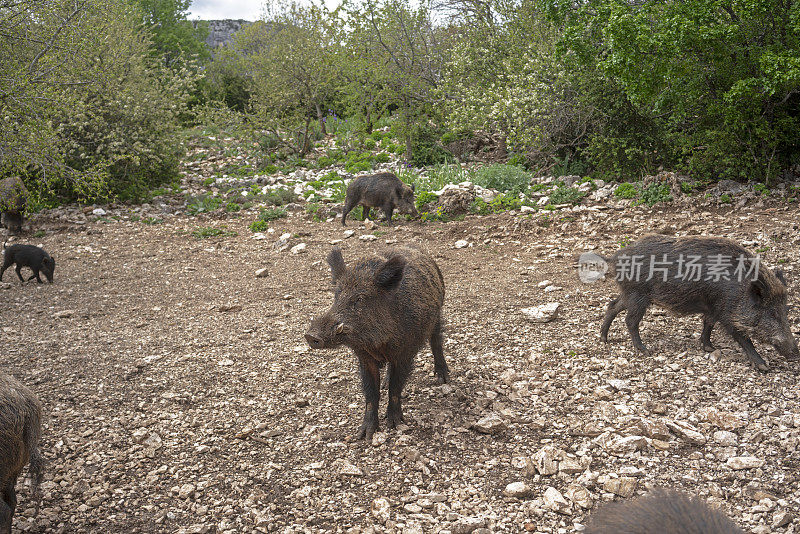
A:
226,9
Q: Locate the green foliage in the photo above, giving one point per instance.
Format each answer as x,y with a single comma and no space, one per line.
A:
655,193
359,162
258,226
725,198
626,190
203,204
271,214
480,207
566,195
172,35
233,207
762,189
39,233
505,202
205,232
280,196
503,178
425,197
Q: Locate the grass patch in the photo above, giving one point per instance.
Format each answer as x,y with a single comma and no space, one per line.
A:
152,221
203,204
503,178
626,190
566,195
655,193
210,231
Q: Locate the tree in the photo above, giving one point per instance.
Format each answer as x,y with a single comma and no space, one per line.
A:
173,36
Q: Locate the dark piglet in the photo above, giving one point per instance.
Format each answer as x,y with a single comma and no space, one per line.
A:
662,512
29,256
13,200
750,302
20,428
385,308
383,190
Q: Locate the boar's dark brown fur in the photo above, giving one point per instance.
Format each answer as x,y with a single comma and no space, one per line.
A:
743,304
661,512
385,308
20,428
383,190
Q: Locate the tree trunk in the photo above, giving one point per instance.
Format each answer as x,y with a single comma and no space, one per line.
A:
306,143
407,121
321,119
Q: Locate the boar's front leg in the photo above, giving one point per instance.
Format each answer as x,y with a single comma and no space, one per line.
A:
748,348
636,306
705,337
398,375
370,383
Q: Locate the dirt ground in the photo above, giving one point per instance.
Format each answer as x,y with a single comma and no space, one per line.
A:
181,397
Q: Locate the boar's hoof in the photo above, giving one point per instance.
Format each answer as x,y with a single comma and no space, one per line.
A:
365,431
394,418
762,366
708,347
442,377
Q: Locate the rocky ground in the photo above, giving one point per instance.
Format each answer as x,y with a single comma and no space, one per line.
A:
182,398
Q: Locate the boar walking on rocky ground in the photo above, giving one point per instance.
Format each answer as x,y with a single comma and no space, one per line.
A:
383,190
20,428
711,276
33,257
662,512
385,309
13,201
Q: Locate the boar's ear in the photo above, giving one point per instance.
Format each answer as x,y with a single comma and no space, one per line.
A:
759,289
780,276
390,273
336,261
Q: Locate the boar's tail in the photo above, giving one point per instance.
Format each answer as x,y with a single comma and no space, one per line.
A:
35,472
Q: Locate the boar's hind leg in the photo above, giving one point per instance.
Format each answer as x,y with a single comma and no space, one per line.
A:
19,273
440,368
748,348
388,211
614,307
705,337
370,383
349,204
8,501
398,375
636,306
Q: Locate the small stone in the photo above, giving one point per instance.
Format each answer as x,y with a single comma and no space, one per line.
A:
64,314
543,284
490,424
553,500
467,525
781,518
725,438
570,466
381,510
518,490
626,445
379,438
298,249
230,308
412,508
546,460
262,273
346,468
367,237
580,496
687,432
99,212
185,491
348,233
738,463
541,314
462,243
622,486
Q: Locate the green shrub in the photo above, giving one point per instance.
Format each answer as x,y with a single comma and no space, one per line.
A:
505,202
370,144
382,157
626,190
269,169
503,178
358,162
209,181
725,198
566,195
655,193
271,214
258,226
203,204
210,231
232,207
761,188
480,207
280,196
425,197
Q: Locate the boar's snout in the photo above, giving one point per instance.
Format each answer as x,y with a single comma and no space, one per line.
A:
314,342
786,346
